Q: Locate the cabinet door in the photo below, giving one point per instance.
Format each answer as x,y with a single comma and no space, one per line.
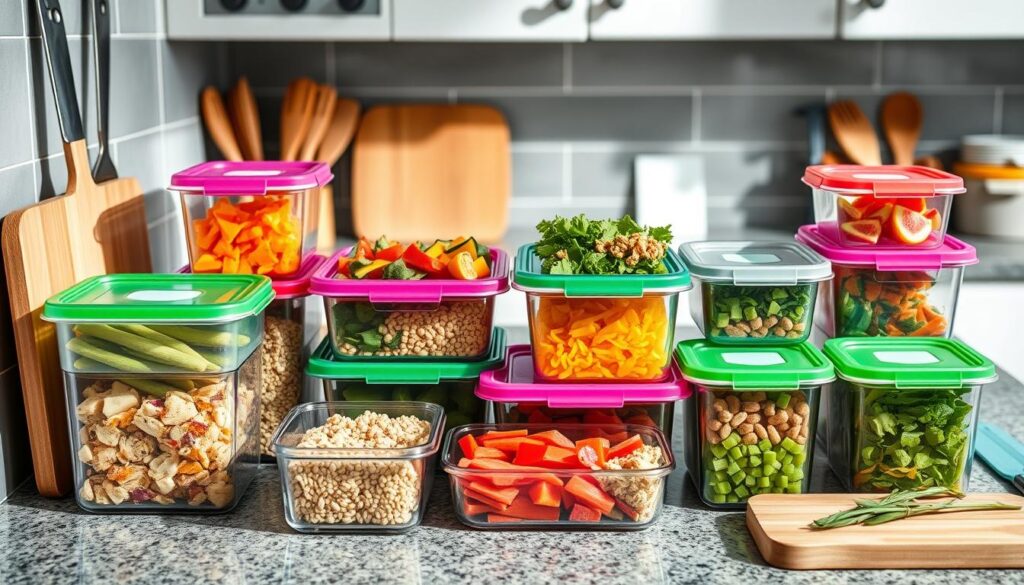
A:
490,20
932,19
712,19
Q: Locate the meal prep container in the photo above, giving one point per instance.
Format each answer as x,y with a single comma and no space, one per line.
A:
163,378
751,421
399,479
882,206
447,383
639,493
396,320
518,397
903,412
249,217
993,204
587,327
892,293
754,292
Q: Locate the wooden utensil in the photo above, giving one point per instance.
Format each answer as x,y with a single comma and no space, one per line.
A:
967,540
854,133
296,116
901,123
930,161
215,116
830,158
335,142
424,171
245,119
47,247
323,113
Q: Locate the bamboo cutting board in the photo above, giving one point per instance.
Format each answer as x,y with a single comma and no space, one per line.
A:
968,540
421,172
47,247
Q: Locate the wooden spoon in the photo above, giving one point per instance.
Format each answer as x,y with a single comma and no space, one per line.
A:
296,115
901,123
217,123
854,133
323,111
930,161
340,131
245,118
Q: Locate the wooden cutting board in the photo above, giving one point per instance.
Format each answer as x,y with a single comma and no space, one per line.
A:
47,247
431,171
968,540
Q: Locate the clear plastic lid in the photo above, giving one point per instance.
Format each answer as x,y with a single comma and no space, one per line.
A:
755,263
905,362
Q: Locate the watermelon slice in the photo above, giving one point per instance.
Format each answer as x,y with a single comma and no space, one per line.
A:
864,230
910,227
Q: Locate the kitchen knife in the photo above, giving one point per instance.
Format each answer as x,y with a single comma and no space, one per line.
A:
1002,453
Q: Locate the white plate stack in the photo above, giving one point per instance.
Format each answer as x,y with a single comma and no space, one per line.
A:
993,149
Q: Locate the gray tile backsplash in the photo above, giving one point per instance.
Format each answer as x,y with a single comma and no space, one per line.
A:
1013,113
12,19
186,67
15,123
756,118
137,16
952,63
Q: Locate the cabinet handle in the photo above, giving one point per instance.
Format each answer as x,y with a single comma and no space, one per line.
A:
615,4
563,4
874,3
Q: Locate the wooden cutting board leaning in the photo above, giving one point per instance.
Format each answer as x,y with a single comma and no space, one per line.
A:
95,228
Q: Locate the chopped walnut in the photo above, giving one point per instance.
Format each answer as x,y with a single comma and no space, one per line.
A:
633,248
641,493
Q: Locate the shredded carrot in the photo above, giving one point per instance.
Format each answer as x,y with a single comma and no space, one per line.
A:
261,236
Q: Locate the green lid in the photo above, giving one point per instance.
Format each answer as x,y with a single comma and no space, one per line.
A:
153,298
909,362
528,277
376,371
753,367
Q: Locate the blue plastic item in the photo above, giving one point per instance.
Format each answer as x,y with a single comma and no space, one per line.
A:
1002,453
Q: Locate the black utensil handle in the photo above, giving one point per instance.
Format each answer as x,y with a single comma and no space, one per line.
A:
101,47
1018,482
55,45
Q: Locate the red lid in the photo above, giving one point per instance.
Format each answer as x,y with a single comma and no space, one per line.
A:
295,286
887,180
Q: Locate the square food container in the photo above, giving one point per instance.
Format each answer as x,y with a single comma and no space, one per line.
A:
587,327
335,489
519,397
494,494
162,377
449,384
882,206
903,412
410,320
889,293
754,292
751,420
249,217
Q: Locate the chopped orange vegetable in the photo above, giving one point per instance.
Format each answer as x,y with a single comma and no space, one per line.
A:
589,494
481,268
469,445
490,453
554,438
545,494
503,495
461,266
500,518
256,236
625,447
523,507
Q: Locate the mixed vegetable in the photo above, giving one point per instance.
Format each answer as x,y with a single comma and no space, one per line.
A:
538,413
907,220
893,304
462,259
261,236
582,246
458,398
757,311
449,329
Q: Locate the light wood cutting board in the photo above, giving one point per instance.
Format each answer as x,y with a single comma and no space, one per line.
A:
431,171
968,540
47,247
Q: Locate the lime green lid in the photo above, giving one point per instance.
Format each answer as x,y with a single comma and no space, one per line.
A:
753,367
322,364
909,362
151,298
527,276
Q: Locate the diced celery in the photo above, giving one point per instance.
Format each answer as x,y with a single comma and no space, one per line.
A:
719,464
743,462
770,458
800,458
768,470
742,493
731,441
778,490
777,465
756,472
733,468
722,320
720,475
787,459
793,488
781,481
738,477
797,475
718,451
732,499
774,308
788,469
791,445
753,450
735,453
782,400
764,445
754,461
749,313
718,498
734,310
723,487
763,482
750,480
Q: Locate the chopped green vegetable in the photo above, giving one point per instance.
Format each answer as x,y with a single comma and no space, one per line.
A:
757,311
579,245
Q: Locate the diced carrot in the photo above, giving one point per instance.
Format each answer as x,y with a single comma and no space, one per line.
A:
852,286
625,447
591,452
207,263
522,507
510,444
504,434
589,494
627,510
499,518
481,498
615,438
531,473
554,438
615,514
543,493
567,500
872,290
581,513
473,508
560,458
468,445
464,462
530,454
933,328
490,453
504,495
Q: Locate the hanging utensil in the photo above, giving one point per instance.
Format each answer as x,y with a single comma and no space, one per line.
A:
340,131
854,133
103,169
296,116
901,124
323,112
215,116
245,118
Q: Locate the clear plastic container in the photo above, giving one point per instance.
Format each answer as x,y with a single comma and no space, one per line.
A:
248,217
882,206
752,419
175,443
889,293
903,412
518,397
425,320
610,328
557,499
356,489
446,383
754,292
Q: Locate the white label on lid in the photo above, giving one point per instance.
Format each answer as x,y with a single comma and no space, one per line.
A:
912,358
741,258
881,176
163,296
763,358
253,173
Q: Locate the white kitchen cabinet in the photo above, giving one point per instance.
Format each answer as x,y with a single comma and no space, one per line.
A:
278,20
932,19
712,19
489,20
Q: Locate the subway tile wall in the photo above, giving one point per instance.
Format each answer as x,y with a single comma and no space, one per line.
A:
154,130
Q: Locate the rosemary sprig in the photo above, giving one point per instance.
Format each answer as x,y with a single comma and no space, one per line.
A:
903,504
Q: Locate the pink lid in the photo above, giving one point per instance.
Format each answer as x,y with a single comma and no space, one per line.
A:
250,177
952,252
428,290
289,288
515,382
886,180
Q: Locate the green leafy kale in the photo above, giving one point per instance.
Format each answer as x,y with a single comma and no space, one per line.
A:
567,246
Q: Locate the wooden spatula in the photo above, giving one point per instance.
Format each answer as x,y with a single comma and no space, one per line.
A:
340,131
854,133
296,116
245,119
323,111
215,116
901,123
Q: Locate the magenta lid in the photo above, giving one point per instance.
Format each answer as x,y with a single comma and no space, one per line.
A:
428,290
250,177
952,252
515,382
886,180
289,288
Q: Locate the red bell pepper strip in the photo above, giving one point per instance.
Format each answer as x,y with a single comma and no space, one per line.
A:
391,253
530,454
627,510
468,445
567,500
364,249
626,447
589,494
581,513
473,508
418,259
